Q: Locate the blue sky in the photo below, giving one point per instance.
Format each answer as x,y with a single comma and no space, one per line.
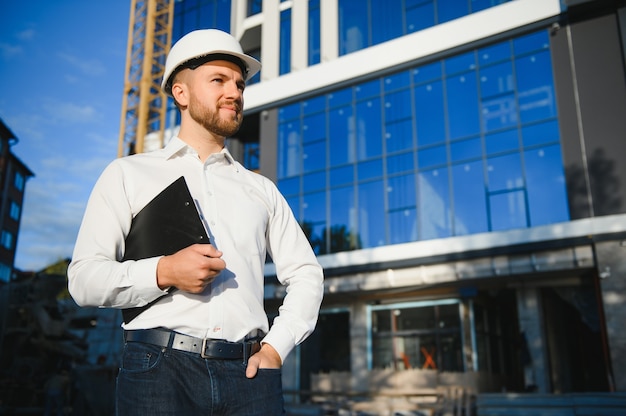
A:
61,80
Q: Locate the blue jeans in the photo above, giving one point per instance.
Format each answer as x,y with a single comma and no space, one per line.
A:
156,381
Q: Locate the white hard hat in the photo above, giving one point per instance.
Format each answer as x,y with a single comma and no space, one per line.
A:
201,46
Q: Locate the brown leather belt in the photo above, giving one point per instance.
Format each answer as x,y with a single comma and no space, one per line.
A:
206,347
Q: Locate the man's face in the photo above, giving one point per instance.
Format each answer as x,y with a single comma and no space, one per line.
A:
216,97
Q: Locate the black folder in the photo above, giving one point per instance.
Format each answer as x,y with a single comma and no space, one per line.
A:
168,223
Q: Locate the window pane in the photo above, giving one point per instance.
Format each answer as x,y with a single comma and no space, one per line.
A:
342,219
496,79
505,172
314,32
314,127
401,192
462,99
314,181
400,163
289,150
535,87
398,106
314,207
508,210
501,141
399,136
341,176
402,226
369,129
387,23
465,150
371,211
499,112
352,26
314,156
341,136
420,17
547,196
470,207
425,73
494,53
285,41
430,114
540,133
433,156
434,204
451,9
460,63
370,169
289,186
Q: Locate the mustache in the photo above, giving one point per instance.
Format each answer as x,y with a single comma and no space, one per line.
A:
235,104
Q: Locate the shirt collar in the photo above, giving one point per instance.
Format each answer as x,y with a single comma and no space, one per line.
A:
178,147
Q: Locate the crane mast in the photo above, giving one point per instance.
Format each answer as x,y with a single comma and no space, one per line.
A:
144,106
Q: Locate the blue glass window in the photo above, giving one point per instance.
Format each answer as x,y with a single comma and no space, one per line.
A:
470,205
371,211
454,147
465,150
501,141
401,192
505,173
341,136
365,23
430,114
368,129
462,100
451,9
314,32
400,163
508,210
434,204
402,226
285,42
545,181
399,136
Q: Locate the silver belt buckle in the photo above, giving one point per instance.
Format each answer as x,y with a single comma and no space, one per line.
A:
202,354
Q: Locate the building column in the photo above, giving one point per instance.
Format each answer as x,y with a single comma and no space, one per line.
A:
359,346
611,263
531,327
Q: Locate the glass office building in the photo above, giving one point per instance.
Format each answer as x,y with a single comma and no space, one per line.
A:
456,167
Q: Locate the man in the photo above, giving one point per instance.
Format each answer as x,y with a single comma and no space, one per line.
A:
204,345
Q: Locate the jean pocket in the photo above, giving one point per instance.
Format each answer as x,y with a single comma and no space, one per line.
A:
140,357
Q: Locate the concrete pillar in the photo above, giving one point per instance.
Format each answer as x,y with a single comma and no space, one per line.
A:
531,325
359,346
611,263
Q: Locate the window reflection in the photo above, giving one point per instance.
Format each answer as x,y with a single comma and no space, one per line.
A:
464,145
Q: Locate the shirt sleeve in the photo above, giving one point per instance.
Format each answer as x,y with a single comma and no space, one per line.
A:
96,276
298,269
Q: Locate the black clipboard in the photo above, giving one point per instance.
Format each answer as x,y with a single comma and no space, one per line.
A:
168,223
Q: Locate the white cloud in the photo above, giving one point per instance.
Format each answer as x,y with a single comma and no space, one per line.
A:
26,35
8,51
86,66
68,112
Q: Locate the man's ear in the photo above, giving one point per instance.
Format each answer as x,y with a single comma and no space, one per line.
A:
180,93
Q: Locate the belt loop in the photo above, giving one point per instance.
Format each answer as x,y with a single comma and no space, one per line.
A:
246,351
170,342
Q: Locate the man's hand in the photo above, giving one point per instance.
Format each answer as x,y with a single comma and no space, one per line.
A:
267,357
191,269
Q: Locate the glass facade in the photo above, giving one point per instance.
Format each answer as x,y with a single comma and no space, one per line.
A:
423,335
458,146
200,14
369,22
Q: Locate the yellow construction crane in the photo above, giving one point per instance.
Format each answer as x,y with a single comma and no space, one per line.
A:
144,105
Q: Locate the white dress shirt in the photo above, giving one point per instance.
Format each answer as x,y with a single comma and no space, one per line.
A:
245,216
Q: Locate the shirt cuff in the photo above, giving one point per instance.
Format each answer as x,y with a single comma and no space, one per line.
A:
144,277
282,341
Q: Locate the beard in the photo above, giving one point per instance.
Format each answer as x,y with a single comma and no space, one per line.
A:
212,121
